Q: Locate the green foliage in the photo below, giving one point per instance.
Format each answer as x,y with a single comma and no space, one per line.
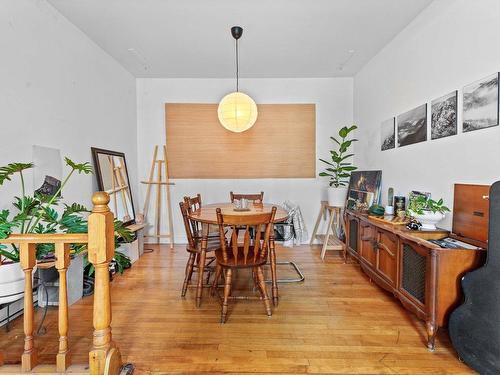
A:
338,169
79,167
9,170
421,203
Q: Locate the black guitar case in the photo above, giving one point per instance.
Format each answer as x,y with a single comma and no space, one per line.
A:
474,327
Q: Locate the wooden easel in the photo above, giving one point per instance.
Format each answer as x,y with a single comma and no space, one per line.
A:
160,166
330,239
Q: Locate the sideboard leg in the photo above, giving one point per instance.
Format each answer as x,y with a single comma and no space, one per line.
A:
431,335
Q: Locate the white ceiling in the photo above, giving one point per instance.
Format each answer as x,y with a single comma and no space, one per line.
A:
281,38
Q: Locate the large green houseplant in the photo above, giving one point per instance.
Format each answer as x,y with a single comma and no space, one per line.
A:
39,213
339,168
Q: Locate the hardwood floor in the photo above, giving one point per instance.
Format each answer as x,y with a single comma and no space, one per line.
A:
336,322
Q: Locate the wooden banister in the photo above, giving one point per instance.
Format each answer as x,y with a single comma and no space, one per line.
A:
62,264
104,358
28,261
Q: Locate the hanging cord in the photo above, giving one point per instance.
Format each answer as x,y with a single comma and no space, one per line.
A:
237,67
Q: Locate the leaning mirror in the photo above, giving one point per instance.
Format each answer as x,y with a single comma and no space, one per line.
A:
112,177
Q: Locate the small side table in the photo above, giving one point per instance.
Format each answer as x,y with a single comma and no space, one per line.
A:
330,239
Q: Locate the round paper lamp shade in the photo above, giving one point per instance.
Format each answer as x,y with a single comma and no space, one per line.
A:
237,112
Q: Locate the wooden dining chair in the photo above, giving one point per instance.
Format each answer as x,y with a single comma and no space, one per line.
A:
255,198
197,256
252,253
193,204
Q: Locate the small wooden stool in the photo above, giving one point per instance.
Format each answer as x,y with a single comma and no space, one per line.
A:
329,239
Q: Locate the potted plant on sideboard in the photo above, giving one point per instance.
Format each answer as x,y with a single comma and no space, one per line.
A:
427,211
339,170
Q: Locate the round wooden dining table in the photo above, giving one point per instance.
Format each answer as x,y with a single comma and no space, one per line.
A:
207,215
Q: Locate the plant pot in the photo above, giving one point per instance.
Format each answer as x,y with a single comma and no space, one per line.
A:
428,219
337,196
11,282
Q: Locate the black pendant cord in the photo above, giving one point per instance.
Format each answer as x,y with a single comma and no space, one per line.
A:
237,67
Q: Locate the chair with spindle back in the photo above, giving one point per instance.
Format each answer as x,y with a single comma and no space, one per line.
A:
193,204
255,198
196,255
252,253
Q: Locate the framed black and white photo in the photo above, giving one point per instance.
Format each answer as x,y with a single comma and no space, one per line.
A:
388,134
480,104
444,116
412,126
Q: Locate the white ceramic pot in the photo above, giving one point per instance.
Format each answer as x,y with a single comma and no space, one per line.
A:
428,219
11,282
337,196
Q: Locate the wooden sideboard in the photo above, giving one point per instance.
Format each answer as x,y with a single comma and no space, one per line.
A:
423,276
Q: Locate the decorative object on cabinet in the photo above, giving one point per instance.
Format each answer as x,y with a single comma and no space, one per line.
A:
364,190
423,276
159,177
412,126
400,206
237,111
427,211
335,227
388,134
389,209
339,170
480,104
444,116
113,178
473,326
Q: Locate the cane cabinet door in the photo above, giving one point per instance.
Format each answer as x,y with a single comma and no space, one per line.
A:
386,261
368,243
414,273
352,233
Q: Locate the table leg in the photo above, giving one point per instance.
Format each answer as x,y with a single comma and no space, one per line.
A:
273,269
328,233
201,265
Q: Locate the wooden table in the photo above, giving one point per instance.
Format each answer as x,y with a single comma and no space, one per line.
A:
207,216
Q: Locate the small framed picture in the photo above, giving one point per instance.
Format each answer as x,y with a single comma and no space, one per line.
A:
388,134
412,126
444,116
480,104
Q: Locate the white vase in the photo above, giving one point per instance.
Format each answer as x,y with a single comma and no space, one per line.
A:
428,219
337,196
11,282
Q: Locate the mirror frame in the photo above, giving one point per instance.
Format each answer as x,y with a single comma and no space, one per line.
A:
95,156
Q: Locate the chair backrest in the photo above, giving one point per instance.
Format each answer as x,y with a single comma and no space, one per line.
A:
256,198
260,224
193,204
187,225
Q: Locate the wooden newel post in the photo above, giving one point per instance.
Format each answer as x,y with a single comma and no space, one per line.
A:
104,358
29,358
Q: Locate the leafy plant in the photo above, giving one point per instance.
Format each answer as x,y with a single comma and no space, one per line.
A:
338,169
421,203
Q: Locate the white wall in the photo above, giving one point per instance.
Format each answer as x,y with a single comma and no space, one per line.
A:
333,99
450,44
59,89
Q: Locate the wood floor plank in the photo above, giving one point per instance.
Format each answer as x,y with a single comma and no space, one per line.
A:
336,322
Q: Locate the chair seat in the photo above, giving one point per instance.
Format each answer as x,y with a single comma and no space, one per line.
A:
212,245
240,261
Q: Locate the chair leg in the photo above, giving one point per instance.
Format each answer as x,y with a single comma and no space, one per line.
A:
262,287
218,272
227,292
201,269
274,277
189,273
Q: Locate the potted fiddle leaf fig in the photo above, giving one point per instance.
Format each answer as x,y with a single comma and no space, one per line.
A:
339,169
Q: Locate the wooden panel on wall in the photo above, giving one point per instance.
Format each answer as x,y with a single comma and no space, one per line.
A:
281,144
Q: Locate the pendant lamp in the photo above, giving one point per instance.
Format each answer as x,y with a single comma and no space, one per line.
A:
237,111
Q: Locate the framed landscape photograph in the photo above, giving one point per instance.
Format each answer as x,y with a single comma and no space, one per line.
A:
412,126
444,116
480,104
364,190
388,134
